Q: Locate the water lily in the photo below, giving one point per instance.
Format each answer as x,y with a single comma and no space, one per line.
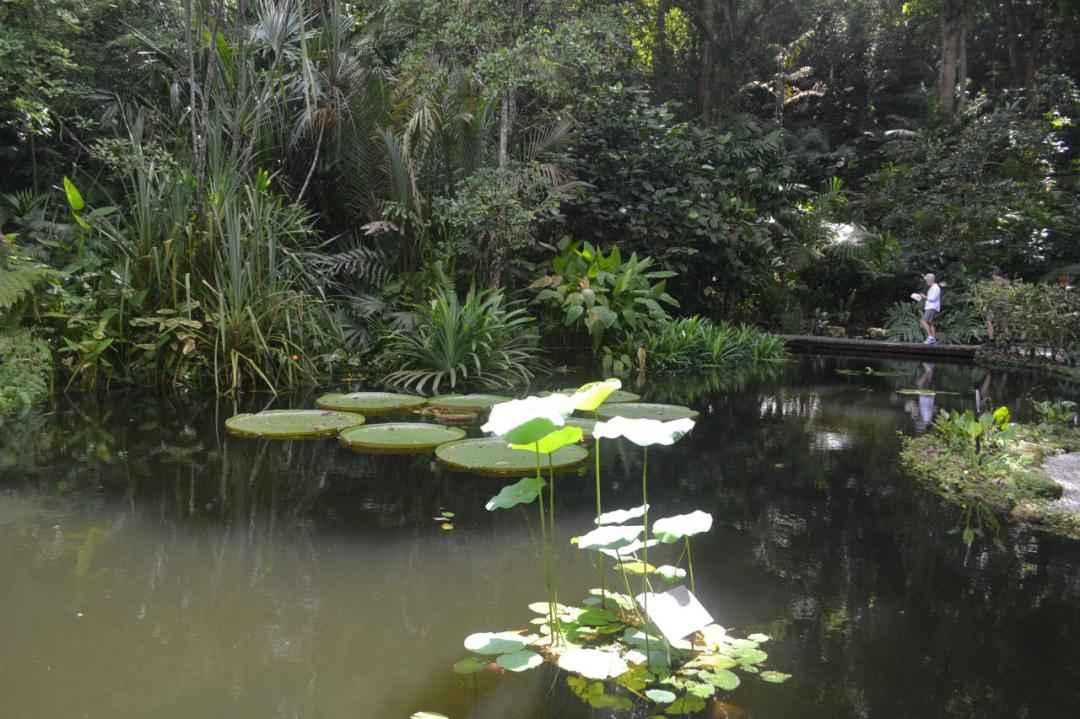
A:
524,421
644,432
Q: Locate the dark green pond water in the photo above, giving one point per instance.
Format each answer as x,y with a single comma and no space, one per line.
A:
153,566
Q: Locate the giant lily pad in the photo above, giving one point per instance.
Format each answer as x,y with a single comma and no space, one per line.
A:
585,425
645,410
493,456
370,402
292,423
400,436
467,402
593,663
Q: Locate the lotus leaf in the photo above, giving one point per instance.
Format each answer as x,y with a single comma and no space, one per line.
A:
428,715
629,549
292,423
687,704
370,402
660,696
595,618
610,537
593,663
524,421
656,657
590,396
758,638
671,573
400,436
619,516
645,410
466,402
520,661
671,529
637,568
643,432
495,642
623,601
593,694
523,491
493,456
775,677
723,678
470,665
750,656
552,441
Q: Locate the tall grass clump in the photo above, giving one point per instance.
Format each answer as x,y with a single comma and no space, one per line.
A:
481,341
698,342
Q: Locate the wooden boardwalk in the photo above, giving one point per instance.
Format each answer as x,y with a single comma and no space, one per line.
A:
910,350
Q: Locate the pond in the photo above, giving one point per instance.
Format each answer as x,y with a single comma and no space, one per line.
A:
153,566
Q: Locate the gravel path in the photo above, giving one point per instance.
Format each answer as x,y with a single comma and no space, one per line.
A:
1065,470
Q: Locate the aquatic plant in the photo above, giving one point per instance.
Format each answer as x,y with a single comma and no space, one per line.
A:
614,638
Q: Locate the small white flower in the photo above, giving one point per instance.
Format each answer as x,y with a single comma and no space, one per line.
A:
643,432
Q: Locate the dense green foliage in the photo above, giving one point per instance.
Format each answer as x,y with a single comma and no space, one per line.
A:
1032,317
254,195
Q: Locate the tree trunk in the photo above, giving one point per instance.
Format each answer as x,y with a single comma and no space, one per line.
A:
708,42
950,51
962,66
1032,67
1012,42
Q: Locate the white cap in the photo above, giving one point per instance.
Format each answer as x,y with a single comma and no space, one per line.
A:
929,276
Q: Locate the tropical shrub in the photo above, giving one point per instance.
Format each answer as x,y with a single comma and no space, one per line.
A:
958,322
1033,317
482,341
604,297
699,343
25,370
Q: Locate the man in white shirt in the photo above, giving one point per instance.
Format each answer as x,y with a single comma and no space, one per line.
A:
931,307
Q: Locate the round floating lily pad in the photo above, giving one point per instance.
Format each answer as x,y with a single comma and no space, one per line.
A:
585,425
467,402
292,423
617,397
452,417
644,410
493,456
370,402
400,436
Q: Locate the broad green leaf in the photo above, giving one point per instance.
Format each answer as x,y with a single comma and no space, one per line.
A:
724,678
671,529
525,421
75,200
610,537
495,642
553,440
523,491
750,656
636,568
758,638
520,661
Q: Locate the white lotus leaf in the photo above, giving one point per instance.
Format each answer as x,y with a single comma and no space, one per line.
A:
621,515
644,432
593,663
495,642
630,549
671,529
671,573
610,537
520,661
522,421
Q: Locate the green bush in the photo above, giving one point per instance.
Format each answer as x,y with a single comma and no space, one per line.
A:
1033,317
479,342
957,323
602,296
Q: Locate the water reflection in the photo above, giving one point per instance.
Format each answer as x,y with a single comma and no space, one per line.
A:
152,566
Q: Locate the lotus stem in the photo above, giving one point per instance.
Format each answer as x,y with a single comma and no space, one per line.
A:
552,618
645,550
554,548
599,511
690,563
